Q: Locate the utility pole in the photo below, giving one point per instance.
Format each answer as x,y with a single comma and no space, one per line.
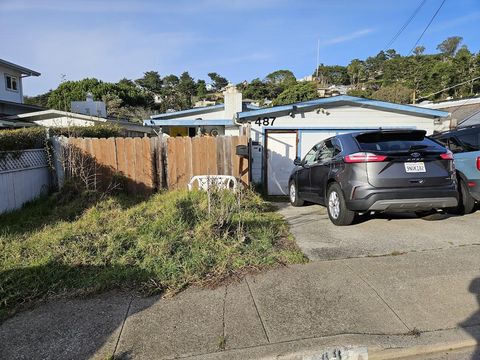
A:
318,55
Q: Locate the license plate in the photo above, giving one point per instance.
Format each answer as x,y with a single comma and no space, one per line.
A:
415,167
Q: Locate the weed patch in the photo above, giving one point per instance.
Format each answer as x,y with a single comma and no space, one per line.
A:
70,245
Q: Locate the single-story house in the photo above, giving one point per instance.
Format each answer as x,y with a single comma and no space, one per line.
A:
56,118
289,131
208,120
463,112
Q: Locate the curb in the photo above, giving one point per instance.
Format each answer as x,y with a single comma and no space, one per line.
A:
399,353
378,347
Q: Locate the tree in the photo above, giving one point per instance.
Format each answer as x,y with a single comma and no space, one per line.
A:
419,50
257,90
127,92
201,89
151,81
281,77
333,75
301,91
394,93
356,70
449,46
219,82
187,87
39,100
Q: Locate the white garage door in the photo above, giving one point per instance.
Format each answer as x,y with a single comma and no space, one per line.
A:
308,138
281,151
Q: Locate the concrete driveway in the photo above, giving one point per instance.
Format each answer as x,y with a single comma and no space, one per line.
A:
385,234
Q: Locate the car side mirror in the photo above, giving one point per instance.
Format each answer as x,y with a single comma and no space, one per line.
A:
297,162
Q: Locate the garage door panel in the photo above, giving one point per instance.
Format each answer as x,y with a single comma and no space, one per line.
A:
281,151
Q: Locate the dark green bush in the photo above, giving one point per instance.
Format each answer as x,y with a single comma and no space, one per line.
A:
22,139
96,131
34,137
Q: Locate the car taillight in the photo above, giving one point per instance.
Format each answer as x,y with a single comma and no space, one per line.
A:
447,156
478,163
363,157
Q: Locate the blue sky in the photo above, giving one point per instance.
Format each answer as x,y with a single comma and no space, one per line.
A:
240,39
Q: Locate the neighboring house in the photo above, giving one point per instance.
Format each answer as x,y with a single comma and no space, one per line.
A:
289,131
56,118
473,119
11,89
89,107
464,112
209,120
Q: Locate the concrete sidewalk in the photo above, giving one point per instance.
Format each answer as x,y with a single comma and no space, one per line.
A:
377,302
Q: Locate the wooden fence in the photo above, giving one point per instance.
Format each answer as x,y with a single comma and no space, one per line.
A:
151,163
187,157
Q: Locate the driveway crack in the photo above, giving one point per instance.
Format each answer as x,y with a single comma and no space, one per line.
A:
123,324
258,314
380,297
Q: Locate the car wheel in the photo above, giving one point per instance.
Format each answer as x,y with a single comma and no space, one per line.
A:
466,203
294,199
337,207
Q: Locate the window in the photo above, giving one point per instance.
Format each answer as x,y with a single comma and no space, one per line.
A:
310,157
470,141
395,141
11,82
325,152
454,146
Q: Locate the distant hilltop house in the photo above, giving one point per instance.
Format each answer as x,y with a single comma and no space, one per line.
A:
15,114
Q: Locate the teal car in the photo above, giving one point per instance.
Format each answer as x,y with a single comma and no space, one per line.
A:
464,143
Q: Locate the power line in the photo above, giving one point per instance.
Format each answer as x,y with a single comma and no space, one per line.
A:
426,28
448,88
404,26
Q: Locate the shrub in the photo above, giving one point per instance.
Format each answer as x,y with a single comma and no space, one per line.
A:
22,139
96,131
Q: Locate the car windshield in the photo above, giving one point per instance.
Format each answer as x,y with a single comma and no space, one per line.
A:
395,141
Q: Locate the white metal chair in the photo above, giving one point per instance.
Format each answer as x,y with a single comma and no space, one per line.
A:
204,182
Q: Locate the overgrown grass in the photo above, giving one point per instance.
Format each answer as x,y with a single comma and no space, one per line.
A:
68,245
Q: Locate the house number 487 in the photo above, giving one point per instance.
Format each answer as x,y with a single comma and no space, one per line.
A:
266,121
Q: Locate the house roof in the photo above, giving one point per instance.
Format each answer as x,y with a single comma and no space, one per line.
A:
193,111
52,114
334,101
187,122
21,69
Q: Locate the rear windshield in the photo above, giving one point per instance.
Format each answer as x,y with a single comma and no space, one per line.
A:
396,141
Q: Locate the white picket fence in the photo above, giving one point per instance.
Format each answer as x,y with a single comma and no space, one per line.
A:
24,177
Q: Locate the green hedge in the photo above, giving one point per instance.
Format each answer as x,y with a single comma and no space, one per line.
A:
22,139
96,131
34,137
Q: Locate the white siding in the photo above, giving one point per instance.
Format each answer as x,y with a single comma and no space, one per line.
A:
341,119
8,95
64,121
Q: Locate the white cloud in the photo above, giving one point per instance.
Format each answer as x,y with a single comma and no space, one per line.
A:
347,37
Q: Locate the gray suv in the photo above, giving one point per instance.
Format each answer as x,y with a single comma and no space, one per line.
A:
384,170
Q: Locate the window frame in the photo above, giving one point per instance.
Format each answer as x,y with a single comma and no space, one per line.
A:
12,78
319,151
